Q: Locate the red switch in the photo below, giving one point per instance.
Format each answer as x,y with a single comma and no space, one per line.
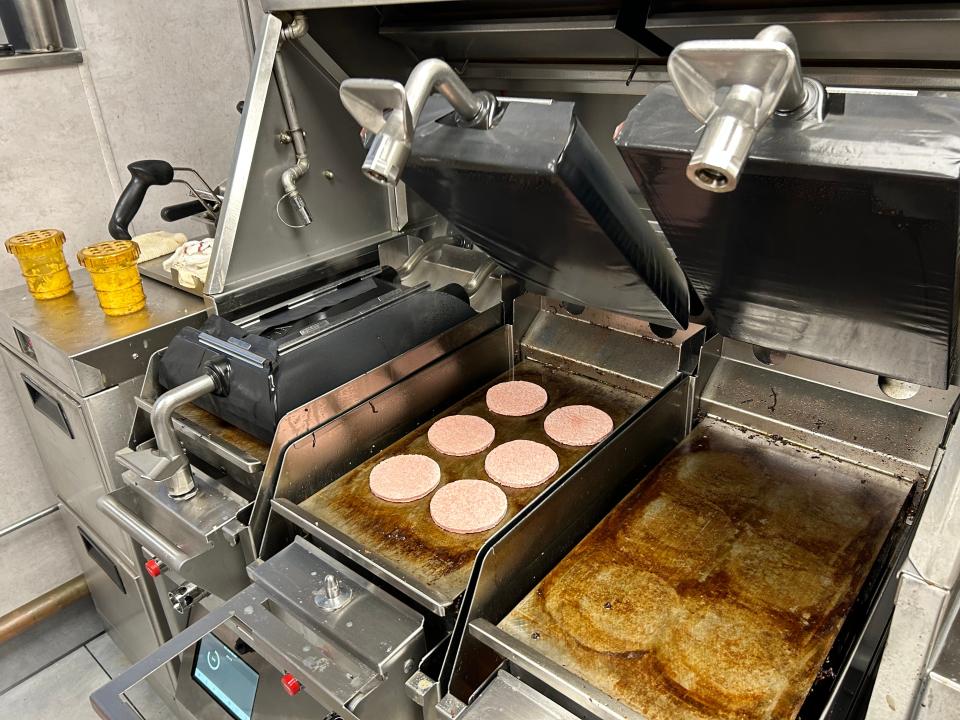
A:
154,567
291,684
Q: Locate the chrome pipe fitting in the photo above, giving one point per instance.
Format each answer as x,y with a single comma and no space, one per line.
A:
391,111
761,76
179,478
288,179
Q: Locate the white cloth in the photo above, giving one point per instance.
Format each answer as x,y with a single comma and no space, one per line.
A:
158,243
190,260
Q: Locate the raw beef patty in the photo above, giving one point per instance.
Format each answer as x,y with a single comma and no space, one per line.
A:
461,435
468,506
521,463
404,478
578,425
516,398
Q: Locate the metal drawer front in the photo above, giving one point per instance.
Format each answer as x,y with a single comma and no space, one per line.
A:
65,444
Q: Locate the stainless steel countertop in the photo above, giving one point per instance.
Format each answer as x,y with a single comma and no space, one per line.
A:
74,342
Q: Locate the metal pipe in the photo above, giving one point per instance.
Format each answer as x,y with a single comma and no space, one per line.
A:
247,22
478,278
422,253
180,483
145,534
795,93
23,522
296,29
434,75
40,608
391,111
290,176
762,75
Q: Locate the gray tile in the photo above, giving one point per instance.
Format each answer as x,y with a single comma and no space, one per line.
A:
60,690
48,641
34,559
168,76
50,155
142,696
110,657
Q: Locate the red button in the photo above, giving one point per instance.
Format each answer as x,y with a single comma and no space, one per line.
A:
291,684
154,567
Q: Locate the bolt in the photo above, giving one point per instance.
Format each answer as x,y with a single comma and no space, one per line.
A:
285,138
332,586
328,174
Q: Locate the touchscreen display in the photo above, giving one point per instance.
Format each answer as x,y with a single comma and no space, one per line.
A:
225,677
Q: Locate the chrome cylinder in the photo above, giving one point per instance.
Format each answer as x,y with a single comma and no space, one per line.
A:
726,141
31,25
795,93
180,485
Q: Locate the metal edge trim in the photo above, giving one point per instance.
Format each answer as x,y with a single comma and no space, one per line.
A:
534,663
460,626
436,602
253,107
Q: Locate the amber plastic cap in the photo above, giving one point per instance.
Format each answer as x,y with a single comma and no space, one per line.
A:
33,241
109,255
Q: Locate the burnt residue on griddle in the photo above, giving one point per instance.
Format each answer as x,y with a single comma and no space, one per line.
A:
403,533
224,430
717,587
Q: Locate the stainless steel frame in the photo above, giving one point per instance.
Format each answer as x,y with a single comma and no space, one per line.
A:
352,215
351,661
601,62
75,375
801,408
542,332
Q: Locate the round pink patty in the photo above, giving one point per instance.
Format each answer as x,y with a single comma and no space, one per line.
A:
461,435
404,478
578,425
521,463
468,506
516,398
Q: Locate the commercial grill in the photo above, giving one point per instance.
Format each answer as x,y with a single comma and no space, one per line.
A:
757,287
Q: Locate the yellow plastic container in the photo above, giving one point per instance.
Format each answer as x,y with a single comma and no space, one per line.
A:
113,268
42,264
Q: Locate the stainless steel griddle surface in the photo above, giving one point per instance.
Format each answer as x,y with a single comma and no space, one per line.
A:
716,588
224,430
403,533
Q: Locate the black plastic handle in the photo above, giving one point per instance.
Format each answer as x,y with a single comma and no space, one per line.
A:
172,213
143,174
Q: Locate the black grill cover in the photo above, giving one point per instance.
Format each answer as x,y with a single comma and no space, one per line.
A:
840,241
270,384
535,193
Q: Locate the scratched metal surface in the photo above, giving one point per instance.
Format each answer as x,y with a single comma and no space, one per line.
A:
224,430
717,587
404,533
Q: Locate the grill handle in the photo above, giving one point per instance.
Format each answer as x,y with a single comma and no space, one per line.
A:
141,531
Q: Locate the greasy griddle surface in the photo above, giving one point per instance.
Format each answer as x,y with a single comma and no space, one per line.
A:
404,533
224,430
717,587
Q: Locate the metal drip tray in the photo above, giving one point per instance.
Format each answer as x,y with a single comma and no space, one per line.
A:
718,586
403,537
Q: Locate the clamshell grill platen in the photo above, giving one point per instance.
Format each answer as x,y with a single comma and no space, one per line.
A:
287,356
840,241
535,193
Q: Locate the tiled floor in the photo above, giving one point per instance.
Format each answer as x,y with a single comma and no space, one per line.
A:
62,688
